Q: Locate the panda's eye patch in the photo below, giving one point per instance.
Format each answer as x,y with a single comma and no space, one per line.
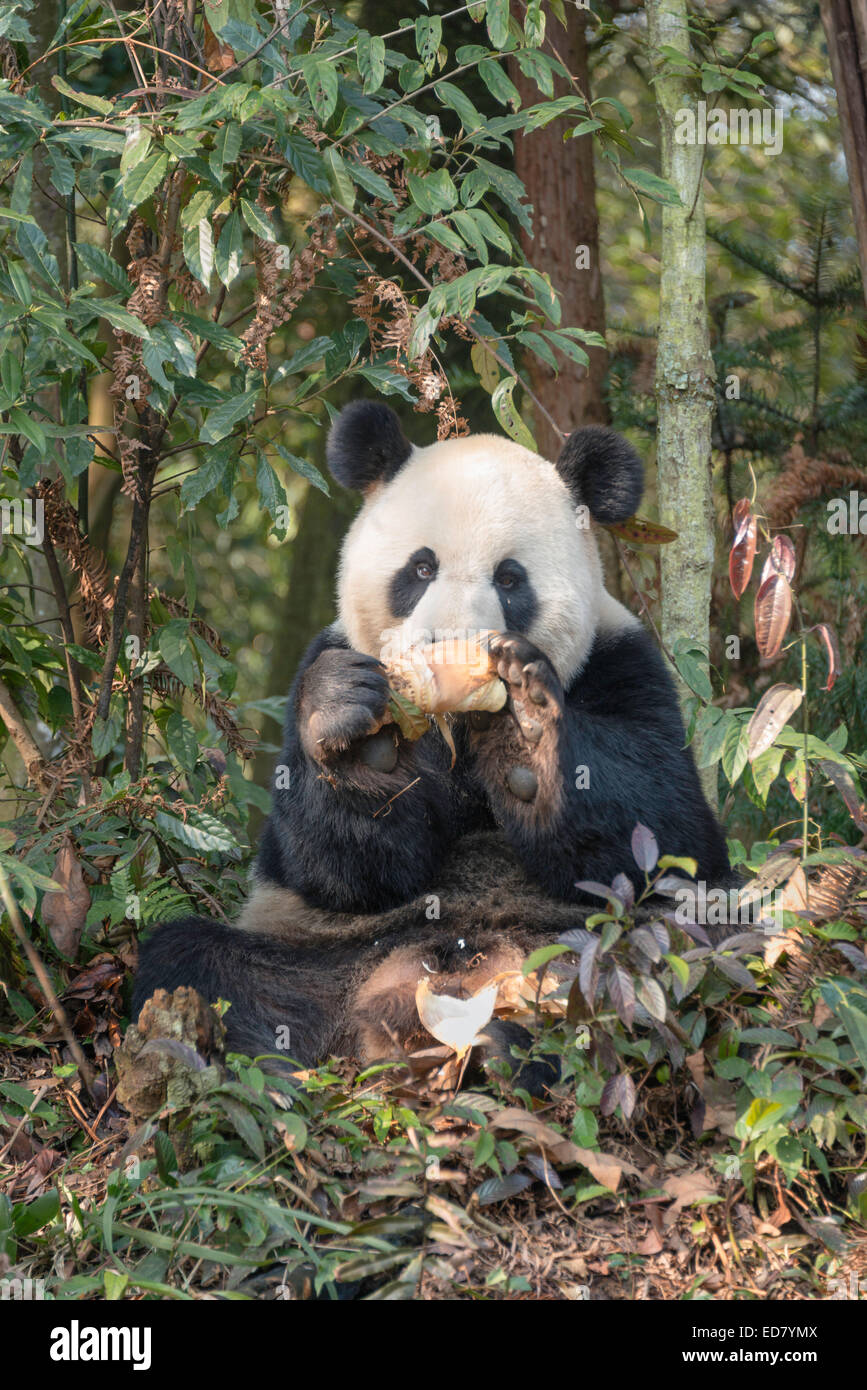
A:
509,575
411,581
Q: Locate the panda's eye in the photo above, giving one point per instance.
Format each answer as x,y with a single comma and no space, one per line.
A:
509,574
424,571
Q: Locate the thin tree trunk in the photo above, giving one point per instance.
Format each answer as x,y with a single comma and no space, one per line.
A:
684,366
559,178
560,181
845,24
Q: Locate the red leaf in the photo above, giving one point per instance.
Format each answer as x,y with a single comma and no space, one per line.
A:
773,613
743,551
829,637
774,709
781,559
637,531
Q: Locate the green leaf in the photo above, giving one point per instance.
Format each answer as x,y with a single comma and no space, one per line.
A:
467,114
144,179
433,192
497,22
200,831
302,467
544,292
655,187
28,1217
341,183
321,79
256,220
501,87
428,37
230,249
370,51
313,351
103,267
307,162
138,142
508,415
223,417
848,1002
182,741
227,147
24,424
88,99
117,316
177,652
541,957
269,487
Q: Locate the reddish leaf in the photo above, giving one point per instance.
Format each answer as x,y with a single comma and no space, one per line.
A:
622,993
829,637
218,56
774,709
64,913
743,551
637,531
773,613
849,792
588,971
622,886
781,559
620,1090
645,850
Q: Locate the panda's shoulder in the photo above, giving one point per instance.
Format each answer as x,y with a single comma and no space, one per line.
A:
624,664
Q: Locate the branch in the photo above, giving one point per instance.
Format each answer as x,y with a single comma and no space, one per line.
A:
428,285
21,736
86,1071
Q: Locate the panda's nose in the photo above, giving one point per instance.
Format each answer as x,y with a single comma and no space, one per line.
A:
459,604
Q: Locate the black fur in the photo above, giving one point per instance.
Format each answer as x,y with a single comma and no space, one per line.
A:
516,594
406,588
366,445
619,719
271,986
602,471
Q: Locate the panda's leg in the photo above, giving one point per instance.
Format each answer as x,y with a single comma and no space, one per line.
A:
385,1020
518,754
283,1001
382,1013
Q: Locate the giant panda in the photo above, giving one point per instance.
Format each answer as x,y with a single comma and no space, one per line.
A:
382,860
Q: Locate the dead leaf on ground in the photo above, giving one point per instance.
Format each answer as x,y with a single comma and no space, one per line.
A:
64,912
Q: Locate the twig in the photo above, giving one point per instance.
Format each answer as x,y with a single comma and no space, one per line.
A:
85,1070
428,285
647,613
65,619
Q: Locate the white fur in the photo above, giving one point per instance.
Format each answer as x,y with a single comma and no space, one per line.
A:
476,501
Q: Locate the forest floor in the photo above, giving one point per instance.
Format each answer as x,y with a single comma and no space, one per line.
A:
391,1185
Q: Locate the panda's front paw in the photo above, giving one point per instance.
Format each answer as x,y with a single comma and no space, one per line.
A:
535,693
343,699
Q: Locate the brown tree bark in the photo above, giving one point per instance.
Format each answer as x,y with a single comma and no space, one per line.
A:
561,184
845,24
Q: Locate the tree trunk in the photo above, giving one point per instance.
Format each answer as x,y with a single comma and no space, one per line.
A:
845,24
560,181
684,366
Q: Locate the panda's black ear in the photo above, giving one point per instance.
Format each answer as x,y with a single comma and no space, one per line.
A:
602,470
366,445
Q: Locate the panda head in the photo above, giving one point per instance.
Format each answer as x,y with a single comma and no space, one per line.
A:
477,532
